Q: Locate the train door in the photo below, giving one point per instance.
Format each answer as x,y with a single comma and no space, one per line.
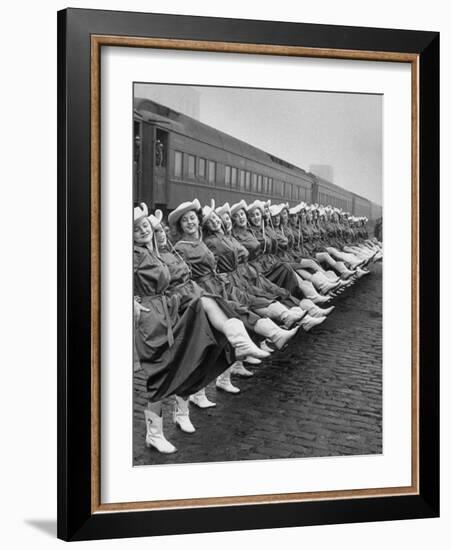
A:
150,165
160,167
137,160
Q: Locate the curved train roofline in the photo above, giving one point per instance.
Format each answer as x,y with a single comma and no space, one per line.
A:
181,126
190,127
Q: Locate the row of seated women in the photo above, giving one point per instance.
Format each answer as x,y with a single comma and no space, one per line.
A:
219,289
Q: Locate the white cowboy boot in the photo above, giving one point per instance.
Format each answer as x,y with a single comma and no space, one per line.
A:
377,257
311,293
361,273
332,276
320,312
292,316
224,383
320,299
236,333
181,415
239,369
282,314
155,436
323,284
309,322
201,400
278,336
344,271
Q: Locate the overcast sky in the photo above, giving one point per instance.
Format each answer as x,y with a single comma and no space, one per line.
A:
304,128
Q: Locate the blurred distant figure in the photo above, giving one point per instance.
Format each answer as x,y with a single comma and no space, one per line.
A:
378,229
159,153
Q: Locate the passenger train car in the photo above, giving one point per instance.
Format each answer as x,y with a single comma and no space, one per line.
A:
177,158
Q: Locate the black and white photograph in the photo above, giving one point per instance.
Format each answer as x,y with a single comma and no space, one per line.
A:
257,274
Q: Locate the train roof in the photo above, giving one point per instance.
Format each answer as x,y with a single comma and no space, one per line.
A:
326,183
150,111
330,185
156,113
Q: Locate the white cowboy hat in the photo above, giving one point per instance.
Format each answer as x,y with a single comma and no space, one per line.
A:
238,206
257,204
221,210
207,211
140,211
276,209
155,218
182,209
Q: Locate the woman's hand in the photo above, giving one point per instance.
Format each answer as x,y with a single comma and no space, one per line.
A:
137,308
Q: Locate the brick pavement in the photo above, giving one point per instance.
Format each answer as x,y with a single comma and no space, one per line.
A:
320,397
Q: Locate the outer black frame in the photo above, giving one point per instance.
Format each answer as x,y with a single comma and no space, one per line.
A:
75,520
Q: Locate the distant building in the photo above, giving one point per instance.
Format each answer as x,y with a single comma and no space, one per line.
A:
324,171
183,99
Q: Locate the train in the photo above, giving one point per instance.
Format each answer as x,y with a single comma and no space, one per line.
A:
177,158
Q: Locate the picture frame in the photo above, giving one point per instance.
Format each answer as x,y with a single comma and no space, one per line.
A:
81,36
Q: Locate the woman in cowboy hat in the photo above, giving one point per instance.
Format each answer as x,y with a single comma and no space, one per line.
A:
360,246
180,346
181,282
271,264
342,254
249,231
309,315
312,283
291,226
230,257
309,236
186,219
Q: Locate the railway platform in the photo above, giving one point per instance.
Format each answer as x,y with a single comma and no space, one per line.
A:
322,396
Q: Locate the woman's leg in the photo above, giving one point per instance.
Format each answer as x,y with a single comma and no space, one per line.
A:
278,312
201,400
278,336
234,330
337,266
223,382
308,263
181,415
154,426
310,292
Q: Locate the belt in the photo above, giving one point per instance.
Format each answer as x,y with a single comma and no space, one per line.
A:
216,277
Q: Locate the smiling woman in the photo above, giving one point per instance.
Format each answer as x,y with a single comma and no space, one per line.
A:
165,319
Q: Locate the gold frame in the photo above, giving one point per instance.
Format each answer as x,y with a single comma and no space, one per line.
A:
97,41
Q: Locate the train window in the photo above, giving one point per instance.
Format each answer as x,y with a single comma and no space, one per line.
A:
201,168
278,188
259,184
254,183
248,181
270,186
211,171
227,176
288,191
234,177
242,180
178,161
265,184
191,166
